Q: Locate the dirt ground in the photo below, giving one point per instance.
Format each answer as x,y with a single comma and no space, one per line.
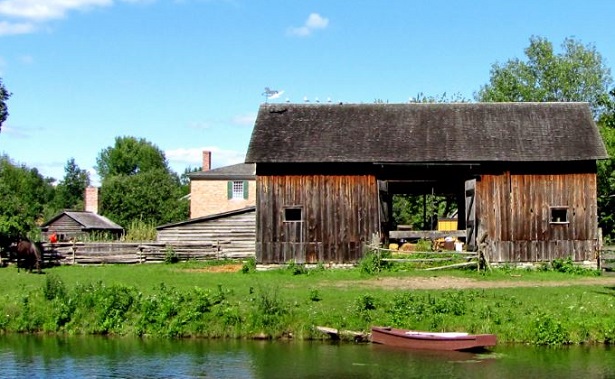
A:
219,268
445,282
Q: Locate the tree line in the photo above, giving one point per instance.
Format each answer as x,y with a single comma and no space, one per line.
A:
138,190
137,185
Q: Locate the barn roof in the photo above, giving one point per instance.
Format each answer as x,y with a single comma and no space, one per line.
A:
88,220
443,132
240,171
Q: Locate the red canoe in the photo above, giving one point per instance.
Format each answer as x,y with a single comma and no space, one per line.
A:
412,339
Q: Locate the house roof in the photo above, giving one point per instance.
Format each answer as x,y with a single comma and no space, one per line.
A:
88,220
240,171
208,217
443,132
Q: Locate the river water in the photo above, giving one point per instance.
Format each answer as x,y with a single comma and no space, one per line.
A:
25,356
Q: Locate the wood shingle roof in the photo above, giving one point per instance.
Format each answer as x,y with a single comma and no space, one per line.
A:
87,220
443,132
239,171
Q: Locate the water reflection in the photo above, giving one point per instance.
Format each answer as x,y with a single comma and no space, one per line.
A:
99,357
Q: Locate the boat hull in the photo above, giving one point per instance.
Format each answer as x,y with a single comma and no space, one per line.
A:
431,341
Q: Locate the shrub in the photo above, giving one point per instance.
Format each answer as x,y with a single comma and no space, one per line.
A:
546,331
249,265
315,295
372,262
296,268
139,230
54,287
170,256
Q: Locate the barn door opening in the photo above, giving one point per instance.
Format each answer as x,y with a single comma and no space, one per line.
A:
470,194
294,246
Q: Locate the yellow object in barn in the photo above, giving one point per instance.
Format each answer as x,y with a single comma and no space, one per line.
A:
447,224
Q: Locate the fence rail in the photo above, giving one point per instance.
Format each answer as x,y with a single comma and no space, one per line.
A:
83,253
471,258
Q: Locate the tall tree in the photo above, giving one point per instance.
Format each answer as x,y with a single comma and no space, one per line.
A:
606,170
70,191
4,96
578,73
130,156
138,185
24,195
153,197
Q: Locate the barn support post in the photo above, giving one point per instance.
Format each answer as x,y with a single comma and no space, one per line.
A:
598,254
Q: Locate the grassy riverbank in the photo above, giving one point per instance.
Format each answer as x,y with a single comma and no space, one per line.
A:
197,300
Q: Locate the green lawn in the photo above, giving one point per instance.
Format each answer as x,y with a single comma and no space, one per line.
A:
186,299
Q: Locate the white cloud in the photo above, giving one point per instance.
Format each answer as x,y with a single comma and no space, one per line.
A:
41,10
31,13
181,158
316,21
313,22
12,28
245,119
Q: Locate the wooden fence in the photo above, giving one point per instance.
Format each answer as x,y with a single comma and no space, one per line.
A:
436,258
607,258
132,252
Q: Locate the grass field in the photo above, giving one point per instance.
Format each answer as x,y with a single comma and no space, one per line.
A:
198,299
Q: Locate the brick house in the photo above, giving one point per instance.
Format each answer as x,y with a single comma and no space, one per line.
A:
222,189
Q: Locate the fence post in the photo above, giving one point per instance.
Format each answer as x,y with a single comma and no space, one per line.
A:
140,254
74,250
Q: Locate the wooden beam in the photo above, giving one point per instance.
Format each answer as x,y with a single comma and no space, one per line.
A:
474,263
425,234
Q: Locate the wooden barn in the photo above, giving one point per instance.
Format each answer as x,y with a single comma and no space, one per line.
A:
77,224
523,176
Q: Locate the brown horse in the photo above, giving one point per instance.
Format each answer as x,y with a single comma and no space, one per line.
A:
30,253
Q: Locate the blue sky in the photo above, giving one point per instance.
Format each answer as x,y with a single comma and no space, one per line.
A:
188,75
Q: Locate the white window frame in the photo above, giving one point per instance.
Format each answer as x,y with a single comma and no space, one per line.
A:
237,189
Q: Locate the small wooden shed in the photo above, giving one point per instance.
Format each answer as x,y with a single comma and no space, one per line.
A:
76,224
231,233
524,175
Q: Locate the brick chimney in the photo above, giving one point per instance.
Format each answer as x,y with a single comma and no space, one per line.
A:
206,160
91,199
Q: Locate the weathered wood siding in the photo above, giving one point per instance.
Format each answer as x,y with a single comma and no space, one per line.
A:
233,234
66,227
515,213
340,213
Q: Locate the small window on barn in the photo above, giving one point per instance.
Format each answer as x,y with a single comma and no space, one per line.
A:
293,214
559,215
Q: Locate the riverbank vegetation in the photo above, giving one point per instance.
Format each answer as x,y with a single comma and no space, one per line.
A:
559,304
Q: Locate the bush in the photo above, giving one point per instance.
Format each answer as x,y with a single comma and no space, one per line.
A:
296,268
54,287
546,331
170,256
372,262
249,265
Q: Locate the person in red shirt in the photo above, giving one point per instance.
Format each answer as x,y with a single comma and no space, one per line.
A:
53,238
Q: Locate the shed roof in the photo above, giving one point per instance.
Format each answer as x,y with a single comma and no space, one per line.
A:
215,216
240,171
443,132
88,220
